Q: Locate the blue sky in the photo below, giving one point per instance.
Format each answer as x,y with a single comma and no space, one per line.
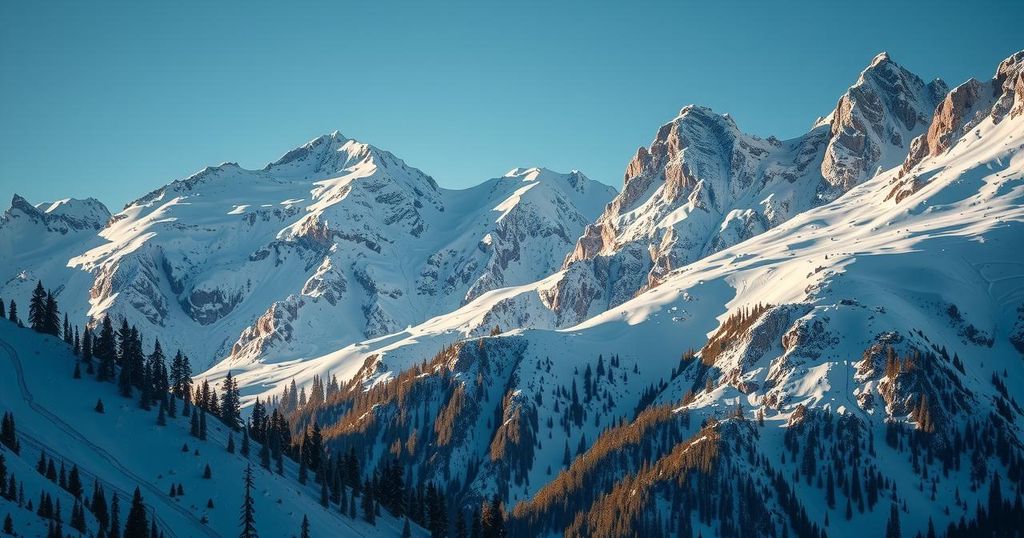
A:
114,99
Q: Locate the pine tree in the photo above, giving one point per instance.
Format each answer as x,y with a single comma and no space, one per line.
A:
51,316
114,531
98,506
202,425
207,472
137,525
99,406
892,527
12,313
8,522
3,309
230,407
75,483
9,433
245,442
304,531
37,308
105,349
248,507
87,348
181,376
369,510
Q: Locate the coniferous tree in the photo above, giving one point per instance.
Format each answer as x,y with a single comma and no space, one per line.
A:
892,526
137,524
248,507
105,350
202,425
369,508
75,483
304,531
12,313
231,443
99,406
78,517
230,407
37,308
245,442
51,316
114,530
98,506
8,522
9,433
3,309
87,348
69,336
207,472
181,376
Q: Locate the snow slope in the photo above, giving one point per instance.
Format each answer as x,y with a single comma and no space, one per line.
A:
126,449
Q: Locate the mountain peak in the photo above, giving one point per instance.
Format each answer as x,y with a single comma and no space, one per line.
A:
68,213
880,58
19,202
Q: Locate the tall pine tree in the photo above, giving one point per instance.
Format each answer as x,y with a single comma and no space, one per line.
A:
248,508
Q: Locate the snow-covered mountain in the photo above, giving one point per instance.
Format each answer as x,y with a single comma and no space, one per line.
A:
870,329
703,185
37,241
335,242
756,337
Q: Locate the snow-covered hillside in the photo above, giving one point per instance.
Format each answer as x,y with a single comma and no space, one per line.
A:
125,448
794,325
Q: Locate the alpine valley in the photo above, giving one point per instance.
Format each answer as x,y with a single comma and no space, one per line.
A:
821,336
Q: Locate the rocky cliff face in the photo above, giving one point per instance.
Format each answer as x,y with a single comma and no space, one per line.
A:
961,111
703,185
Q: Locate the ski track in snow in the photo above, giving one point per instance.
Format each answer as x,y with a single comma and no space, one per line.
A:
153,493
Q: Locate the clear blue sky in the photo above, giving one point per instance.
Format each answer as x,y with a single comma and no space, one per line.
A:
112,100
